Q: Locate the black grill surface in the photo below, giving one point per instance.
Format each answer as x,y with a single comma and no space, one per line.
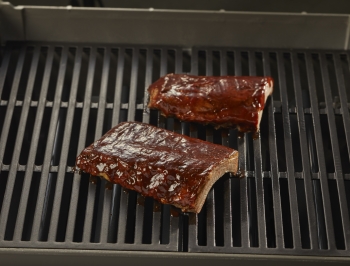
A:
58,98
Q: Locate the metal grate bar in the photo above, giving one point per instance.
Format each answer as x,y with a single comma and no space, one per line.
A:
3,70
140,209
274,162
65,149
124,202
81,145
242,147
19,141
258,172
34,145
115,120
193,217
91,197
40,209
307,174
210,201
227,185
131,116
335,148
343,100
289,154
11,102
133,84
105,194
161,216
320,154
346,123
4,135
148,81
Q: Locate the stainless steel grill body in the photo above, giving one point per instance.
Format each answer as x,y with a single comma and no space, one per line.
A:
57,98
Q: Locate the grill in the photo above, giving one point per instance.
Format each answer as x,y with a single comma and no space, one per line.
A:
57,98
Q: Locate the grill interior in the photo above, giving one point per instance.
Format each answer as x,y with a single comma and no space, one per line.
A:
58,98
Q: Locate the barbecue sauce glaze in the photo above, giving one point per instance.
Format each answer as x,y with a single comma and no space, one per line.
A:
225,101
167,166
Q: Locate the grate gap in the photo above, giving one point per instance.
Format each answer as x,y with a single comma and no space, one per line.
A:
347,191
74,140
245,63
64,210
141,76
259,64
114,218
327,144
264,138
16,196
170,61
219,210
130,219
333,81
39,74
345,159
147,220
202,226
48,204
83,74
96,87
252,209
310,136
202,63
296,144
216,63
25,74
11,140
186,60
31,204
289,79
346,71
81,208
10,73
230,63
54,74
58,141
112,75
303,218
286,215
43,136
68,75
128,53
336,214
280,143
321,224
27,137
2,116
274,74
97,210
236,211
318,80
269,213
3,182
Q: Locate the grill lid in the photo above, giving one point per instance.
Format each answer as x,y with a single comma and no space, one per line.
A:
56,99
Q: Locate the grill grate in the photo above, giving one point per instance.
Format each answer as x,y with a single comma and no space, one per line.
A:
58,98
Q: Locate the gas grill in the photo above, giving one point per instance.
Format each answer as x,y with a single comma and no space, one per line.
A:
67,75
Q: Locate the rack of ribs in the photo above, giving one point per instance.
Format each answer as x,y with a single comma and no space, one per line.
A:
226,101
172,168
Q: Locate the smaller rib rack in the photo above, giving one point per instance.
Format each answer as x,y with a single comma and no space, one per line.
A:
221,101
